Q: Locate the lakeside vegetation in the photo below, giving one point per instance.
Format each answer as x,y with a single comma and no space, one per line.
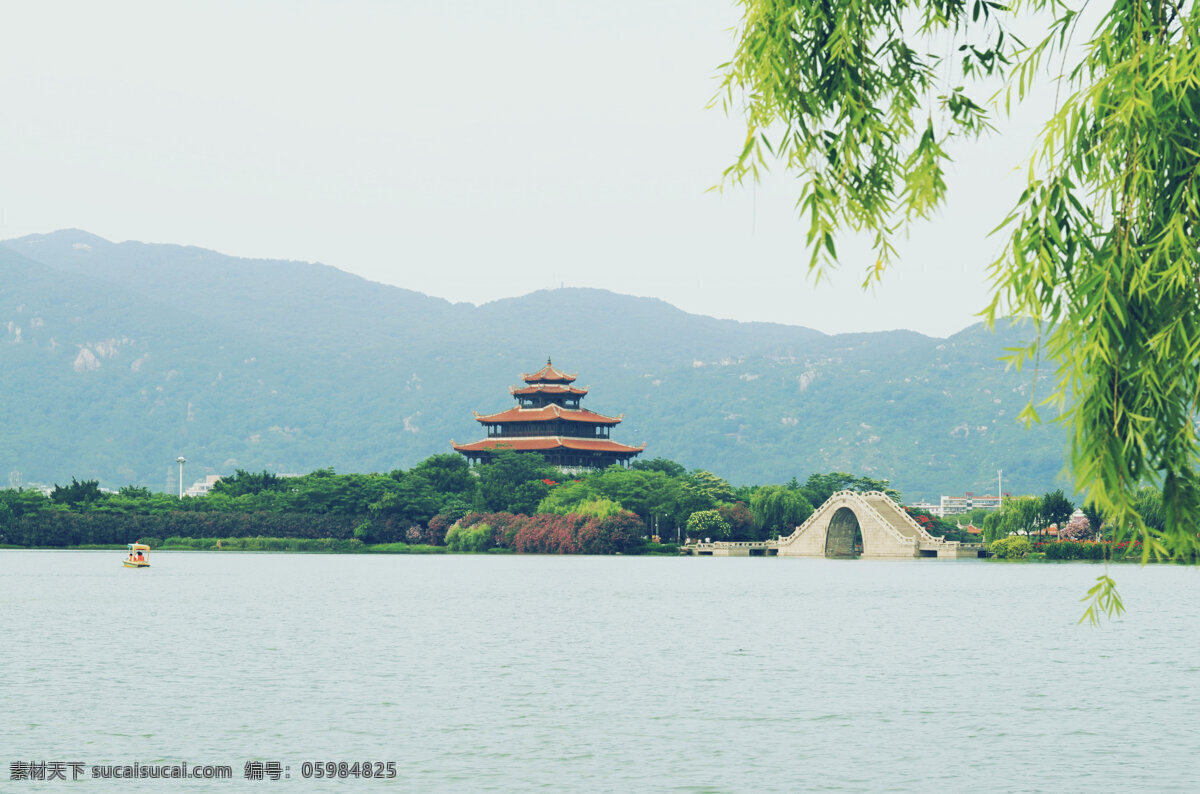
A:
517,503
1049,528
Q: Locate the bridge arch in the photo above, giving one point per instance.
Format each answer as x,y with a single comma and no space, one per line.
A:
853,524
843,535
850,524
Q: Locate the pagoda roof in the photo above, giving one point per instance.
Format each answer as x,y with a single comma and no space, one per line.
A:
547,444
546,388
547,413
547,374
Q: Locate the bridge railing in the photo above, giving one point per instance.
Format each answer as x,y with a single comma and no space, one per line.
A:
887,525
800,530
922,533
732,544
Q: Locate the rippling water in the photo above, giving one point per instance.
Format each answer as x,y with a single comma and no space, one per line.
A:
593,673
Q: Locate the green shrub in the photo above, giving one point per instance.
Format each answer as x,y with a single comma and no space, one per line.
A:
597,508
477,537
649,547
1013,547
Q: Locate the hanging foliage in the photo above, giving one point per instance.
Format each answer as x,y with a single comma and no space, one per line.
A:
1101,246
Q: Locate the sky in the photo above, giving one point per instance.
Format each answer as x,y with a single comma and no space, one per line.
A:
468,150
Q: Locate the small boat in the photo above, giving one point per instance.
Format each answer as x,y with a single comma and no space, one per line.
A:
139,556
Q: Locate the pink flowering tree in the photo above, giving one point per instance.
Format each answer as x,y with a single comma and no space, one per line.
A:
1078,528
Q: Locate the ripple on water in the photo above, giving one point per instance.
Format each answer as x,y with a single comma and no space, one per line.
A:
516,673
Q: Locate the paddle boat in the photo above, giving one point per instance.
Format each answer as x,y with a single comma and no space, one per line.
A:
139,556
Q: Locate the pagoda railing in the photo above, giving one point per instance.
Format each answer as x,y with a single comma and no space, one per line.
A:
566,430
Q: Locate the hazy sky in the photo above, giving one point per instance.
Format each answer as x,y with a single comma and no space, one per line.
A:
469,150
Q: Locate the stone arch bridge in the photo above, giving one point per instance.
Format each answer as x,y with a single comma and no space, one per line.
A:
849,524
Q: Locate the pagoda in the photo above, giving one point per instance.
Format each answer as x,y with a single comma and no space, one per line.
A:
548,420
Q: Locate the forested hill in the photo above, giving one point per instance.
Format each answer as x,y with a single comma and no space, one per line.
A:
117,358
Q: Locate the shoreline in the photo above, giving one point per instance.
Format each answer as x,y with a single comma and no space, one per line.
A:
379,548
400,548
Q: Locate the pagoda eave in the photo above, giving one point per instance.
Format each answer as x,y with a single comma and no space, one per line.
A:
548,413
548,444
547,388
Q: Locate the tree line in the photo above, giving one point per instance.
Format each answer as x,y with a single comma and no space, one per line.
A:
517,502
440,501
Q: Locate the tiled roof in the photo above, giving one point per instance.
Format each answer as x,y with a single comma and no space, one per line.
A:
547,374
548,443
547,388
547,413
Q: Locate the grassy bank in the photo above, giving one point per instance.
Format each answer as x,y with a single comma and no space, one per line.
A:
304,545
320,545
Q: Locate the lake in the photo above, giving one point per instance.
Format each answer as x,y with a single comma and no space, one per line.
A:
516,673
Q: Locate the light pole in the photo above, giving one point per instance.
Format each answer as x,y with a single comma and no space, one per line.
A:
1000,487
181,460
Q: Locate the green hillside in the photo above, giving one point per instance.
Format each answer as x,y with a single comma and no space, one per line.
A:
119,357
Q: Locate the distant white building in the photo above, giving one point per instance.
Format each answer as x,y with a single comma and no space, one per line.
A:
957,505
928,507
203,487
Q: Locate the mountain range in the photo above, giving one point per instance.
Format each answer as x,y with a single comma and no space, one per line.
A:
119,357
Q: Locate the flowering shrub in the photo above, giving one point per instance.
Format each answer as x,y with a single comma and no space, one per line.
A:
707,524
1127,547
435,533
549,533
1090,549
